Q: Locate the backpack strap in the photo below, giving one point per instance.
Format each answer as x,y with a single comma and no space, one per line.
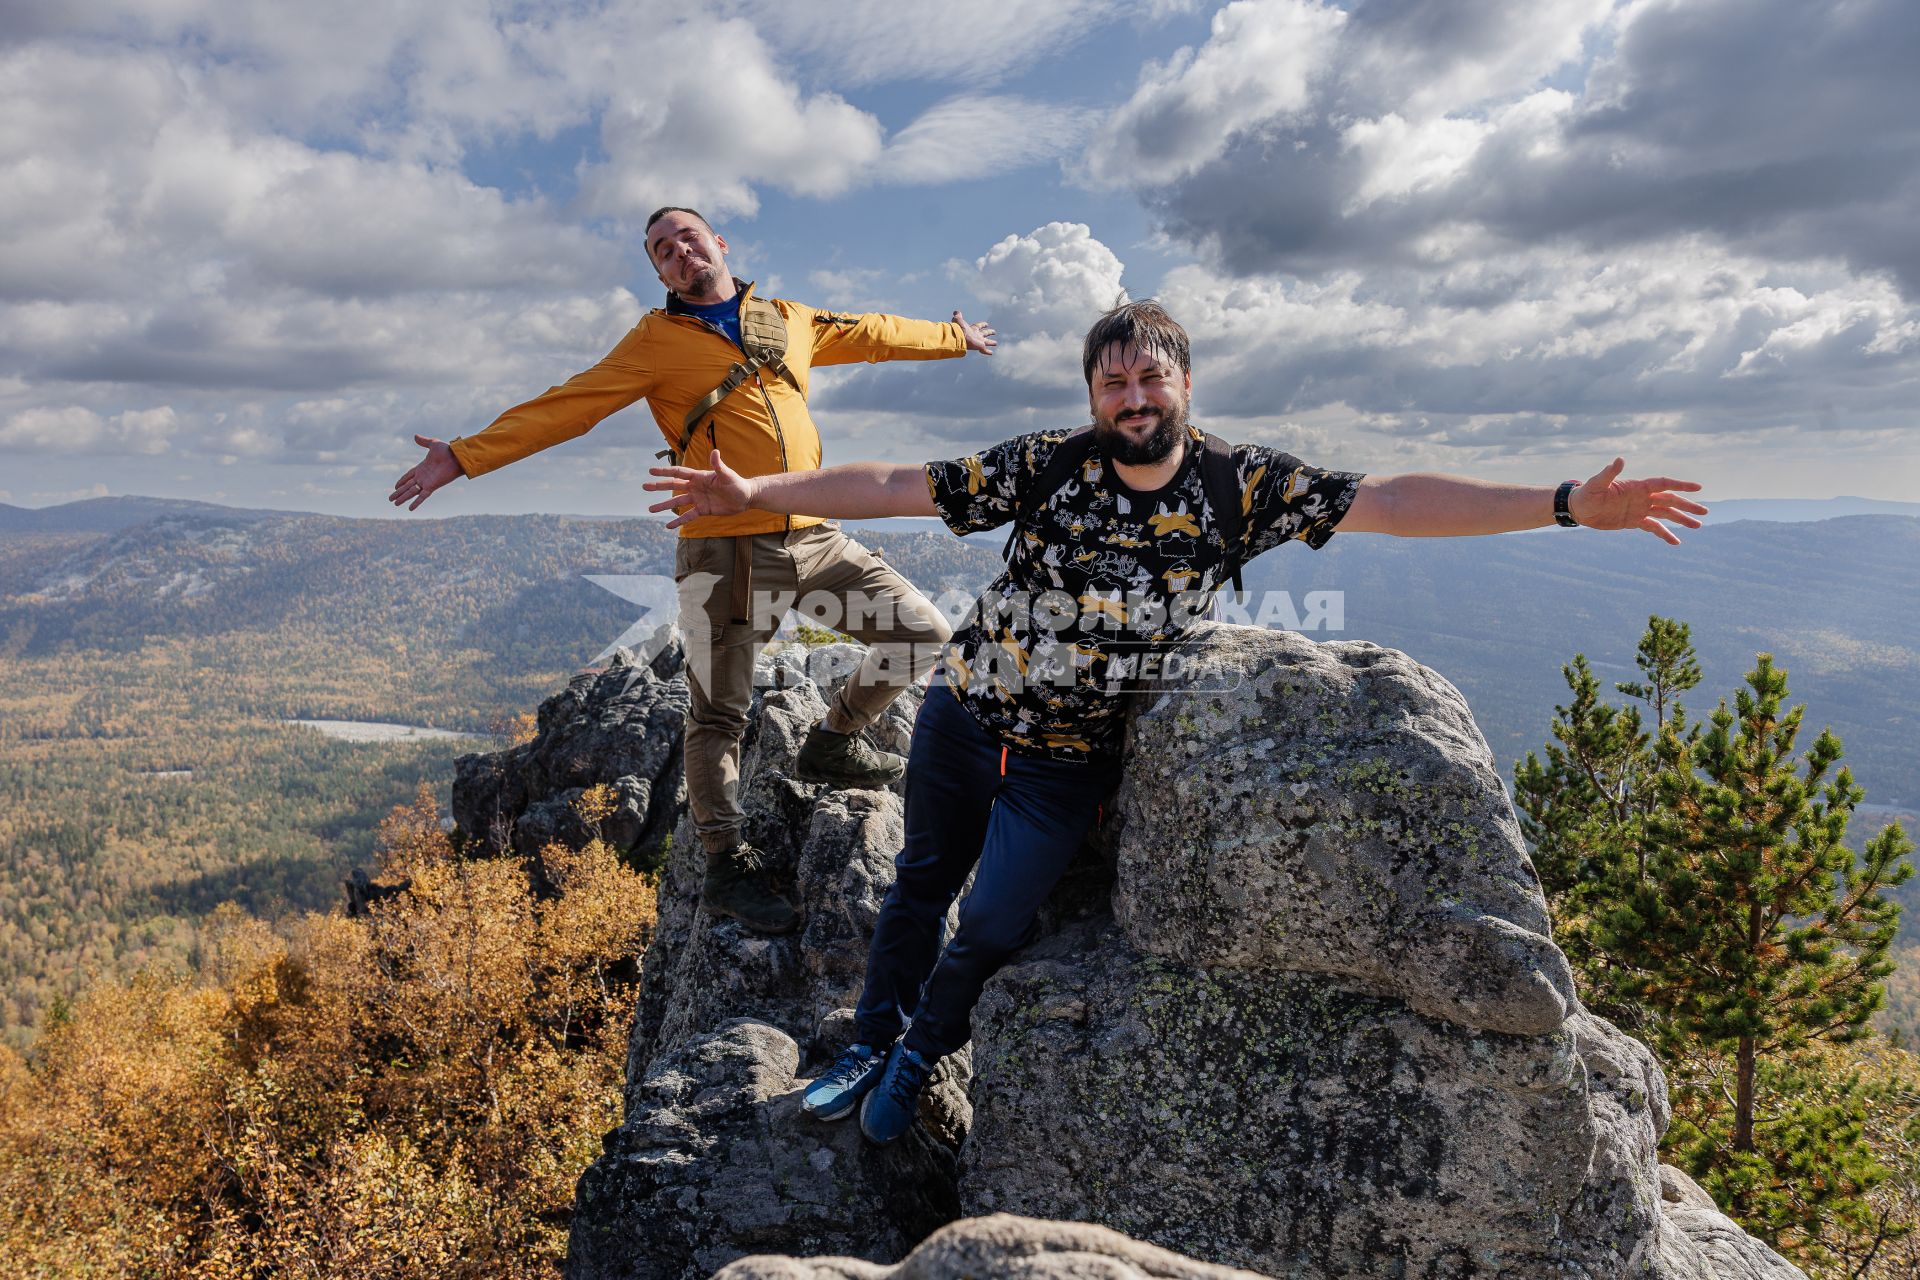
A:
1067,457
763,338
1221,480
1218,476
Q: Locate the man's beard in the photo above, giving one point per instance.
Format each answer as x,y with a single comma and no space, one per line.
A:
704,281
1167,429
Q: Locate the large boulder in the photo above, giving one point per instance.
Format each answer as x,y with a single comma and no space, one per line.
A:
1300,1013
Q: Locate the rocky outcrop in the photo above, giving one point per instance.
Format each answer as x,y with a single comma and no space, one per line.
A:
714,1160
1302,1016
619,727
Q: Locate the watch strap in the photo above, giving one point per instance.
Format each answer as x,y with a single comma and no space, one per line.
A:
1562,512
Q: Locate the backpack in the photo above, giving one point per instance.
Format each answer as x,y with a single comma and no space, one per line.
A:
763,338
1218,478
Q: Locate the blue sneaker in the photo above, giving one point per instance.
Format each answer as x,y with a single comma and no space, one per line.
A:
890,1109
842,1085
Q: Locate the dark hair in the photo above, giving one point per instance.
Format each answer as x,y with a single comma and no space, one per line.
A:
664,210
1144,324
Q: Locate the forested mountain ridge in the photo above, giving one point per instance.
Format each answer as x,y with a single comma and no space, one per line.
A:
1836,601
130,655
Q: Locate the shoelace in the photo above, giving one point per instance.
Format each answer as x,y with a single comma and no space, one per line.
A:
906,1083
750,859
847,1067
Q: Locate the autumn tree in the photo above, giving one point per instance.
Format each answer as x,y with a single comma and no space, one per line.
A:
412,1092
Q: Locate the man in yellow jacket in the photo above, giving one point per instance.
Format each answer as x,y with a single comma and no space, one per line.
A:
723,370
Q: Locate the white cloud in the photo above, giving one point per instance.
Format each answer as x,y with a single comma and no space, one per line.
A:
864,42
69,429
1044,289
108,186
671,138
1055,279
1259,67
1401,157
976,135
1429,60
1669,332
49,430
1669,119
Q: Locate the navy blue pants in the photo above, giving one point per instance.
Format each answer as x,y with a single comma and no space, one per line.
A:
1021,818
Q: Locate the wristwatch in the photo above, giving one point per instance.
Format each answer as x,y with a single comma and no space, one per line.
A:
1562,515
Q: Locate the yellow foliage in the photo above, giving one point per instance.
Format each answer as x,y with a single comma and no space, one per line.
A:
409,1093
516,730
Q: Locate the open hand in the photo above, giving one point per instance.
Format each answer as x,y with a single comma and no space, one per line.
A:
437,468
719,492
979,336
1605,501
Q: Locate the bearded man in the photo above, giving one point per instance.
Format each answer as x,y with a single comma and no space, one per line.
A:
1111,556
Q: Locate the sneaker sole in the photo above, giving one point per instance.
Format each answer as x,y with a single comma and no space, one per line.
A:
839,1112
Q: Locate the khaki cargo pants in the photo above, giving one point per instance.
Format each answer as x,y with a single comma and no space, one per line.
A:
726,627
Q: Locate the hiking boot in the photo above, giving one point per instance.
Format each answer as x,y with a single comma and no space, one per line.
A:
737,886
846,760
841,1086
890,1108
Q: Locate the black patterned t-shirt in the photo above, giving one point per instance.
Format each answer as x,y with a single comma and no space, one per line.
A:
1102,577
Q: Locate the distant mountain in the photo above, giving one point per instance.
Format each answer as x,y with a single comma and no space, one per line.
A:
1835,600
108,515
1798,510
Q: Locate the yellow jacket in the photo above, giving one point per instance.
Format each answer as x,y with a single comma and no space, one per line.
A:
674,360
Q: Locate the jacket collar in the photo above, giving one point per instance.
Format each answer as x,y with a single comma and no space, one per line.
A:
677,306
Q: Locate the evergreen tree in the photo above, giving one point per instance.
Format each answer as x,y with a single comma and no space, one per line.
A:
1584,808
1702,885
1756,930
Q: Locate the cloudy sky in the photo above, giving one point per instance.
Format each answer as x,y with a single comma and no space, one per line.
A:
247,250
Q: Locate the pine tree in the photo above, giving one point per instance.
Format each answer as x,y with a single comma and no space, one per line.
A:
1583,810
1702,885
1756,930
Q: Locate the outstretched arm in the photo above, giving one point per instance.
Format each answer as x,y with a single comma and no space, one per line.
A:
1425,505
848,339
853,491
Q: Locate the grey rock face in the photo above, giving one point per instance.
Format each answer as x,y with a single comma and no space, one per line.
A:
621,726
1302,1017
1269,1120
1731,1253
1000,1245
1339,813
1325,1032
714,1159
